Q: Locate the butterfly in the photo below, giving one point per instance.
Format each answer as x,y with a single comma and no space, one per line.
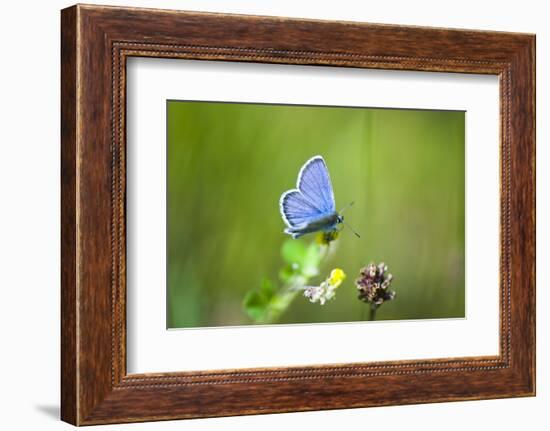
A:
310,207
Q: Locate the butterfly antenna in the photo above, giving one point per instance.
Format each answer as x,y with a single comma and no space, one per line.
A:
353,230
347,206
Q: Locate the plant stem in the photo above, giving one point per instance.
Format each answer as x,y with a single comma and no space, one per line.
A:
372,315
278,307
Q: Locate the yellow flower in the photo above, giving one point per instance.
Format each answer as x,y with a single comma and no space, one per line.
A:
337,276
327,290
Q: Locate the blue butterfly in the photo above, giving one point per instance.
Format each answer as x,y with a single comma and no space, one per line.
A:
310,207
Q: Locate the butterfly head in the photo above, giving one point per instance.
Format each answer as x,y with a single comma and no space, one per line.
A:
340,219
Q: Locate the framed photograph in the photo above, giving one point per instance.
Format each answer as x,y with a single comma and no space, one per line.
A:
267,215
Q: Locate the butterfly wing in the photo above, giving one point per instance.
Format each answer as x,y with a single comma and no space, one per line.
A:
296,209
310,206
314,183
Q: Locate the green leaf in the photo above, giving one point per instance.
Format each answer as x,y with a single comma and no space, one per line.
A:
257,302
255,305
293,251
267,288
286,273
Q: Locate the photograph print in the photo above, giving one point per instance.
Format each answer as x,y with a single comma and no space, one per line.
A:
293,214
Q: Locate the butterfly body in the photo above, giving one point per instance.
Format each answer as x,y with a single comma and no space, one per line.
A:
310,207
328,223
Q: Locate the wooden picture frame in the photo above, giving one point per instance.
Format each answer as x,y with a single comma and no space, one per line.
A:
95,43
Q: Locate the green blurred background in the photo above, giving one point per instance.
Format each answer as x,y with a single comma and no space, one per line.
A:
228,164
